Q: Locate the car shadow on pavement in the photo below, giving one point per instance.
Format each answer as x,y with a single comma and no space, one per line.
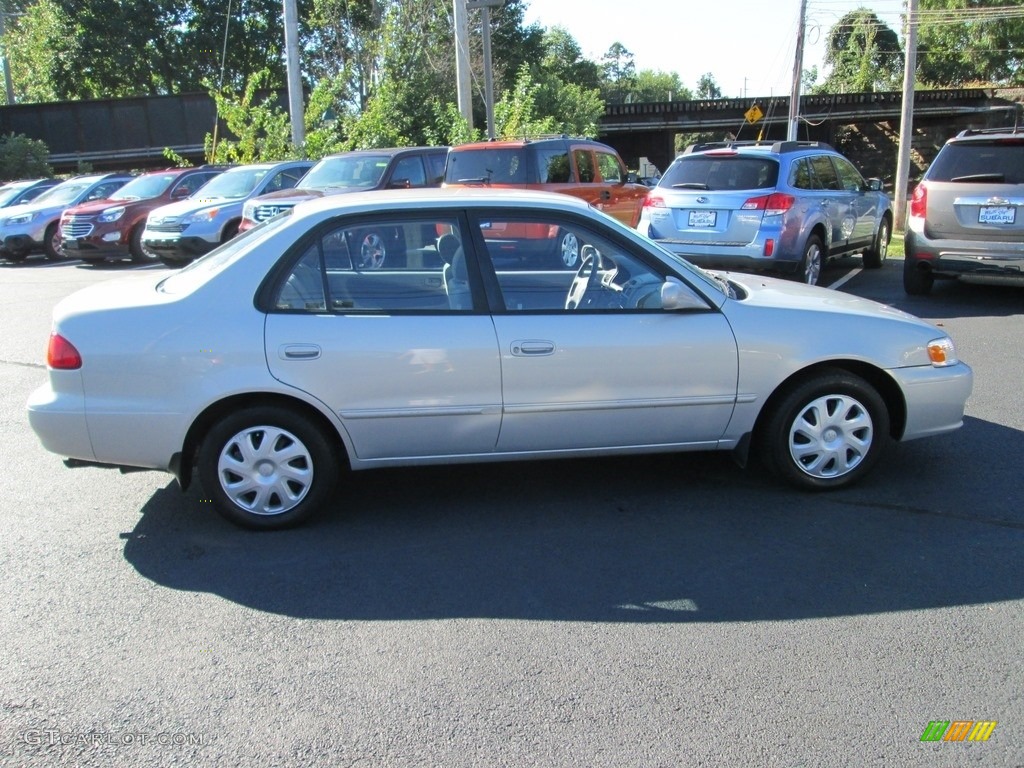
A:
665,538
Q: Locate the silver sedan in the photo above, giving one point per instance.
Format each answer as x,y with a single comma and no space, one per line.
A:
277,362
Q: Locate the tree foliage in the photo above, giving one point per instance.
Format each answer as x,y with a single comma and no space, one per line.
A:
970,42
23,158
864,54
707,87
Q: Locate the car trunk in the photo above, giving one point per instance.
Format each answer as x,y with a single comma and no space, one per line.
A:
994,212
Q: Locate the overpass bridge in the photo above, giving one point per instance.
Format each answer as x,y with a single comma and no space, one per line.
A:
117,134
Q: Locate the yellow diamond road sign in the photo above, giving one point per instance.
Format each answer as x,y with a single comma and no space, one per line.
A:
753,114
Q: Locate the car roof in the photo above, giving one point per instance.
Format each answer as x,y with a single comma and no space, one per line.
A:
982,134
524,142
448,197
384,151
758,147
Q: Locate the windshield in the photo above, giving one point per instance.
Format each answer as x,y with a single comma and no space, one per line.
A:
202,269
356,171
10,191
238,182
63,193
144,187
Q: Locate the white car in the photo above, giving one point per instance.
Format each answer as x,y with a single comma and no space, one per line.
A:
277,362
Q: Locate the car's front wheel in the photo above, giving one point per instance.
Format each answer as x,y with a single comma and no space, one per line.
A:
568,249
267,467
875,255
51,243
825,432
139,254
810,265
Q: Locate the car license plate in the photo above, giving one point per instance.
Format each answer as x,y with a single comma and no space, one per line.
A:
69,243
703,218
1002,214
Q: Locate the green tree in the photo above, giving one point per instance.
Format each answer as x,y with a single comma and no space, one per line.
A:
39,46
649,85
261,129
707,87
970,42
23,158
864,54
617,73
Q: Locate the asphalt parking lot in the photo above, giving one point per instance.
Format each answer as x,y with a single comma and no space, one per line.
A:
644,611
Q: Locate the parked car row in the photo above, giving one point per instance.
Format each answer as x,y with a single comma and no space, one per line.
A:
762,206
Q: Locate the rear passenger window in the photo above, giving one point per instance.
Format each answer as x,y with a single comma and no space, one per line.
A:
398,265
824,173
584,165
409,169
800,176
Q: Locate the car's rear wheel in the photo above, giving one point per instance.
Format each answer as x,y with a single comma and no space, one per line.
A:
15,256
267,467
174,263
917,279
373,250
51,243
875,255
826,432
810,264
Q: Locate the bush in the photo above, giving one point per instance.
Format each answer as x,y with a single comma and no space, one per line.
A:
23,158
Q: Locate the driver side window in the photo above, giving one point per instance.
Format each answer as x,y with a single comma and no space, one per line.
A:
546,266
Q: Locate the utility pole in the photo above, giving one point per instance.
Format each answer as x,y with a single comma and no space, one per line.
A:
798,71
906,118
291,45
462,62
8,84
485,21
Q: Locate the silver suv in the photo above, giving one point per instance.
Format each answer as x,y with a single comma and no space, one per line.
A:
966,217
784,206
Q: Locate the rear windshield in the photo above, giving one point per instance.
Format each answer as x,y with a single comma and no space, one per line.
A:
721,173
980,161
506,165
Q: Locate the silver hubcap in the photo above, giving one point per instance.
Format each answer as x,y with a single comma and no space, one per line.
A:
831,436
812,265
883,243
265,470
372,252
570,250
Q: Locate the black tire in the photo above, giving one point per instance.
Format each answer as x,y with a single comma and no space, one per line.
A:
173,263
15,258
229,232
825,432
875,255
51,243
812,261
139,254
917,281
286,492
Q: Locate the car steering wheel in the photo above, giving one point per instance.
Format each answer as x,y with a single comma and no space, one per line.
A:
584,281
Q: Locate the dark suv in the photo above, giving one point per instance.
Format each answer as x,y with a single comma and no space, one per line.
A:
356,171
966,217
784,206
112,228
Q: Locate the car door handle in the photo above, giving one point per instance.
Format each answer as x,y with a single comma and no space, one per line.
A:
299,351
532,348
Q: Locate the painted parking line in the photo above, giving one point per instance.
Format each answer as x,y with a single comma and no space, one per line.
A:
845,278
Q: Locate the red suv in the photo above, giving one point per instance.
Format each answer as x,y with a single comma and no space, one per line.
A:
572,166
112,228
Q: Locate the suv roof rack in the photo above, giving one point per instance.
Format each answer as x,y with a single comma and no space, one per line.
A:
983,131
778,147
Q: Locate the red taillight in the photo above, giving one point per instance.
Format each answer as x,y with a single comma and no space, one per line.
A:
654,201
919,201
61,354
772,205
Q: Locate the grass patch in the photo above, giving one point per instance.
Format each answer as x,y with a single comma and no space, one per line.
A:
895,246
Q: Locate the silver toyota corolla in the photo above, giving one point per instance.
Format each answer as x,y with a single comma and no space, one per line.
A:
277,362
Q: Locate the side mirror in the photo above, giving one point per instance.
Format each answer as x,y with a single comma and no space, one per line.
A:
676,295
180,193
400,184
874,185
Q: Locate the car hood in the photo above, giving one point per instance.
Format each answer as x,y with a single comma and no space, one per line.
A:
773,292
98,206
193,204
288,196
17,210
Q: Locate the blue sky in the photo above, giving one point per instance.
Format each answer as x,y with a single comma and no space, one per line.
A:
748,45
